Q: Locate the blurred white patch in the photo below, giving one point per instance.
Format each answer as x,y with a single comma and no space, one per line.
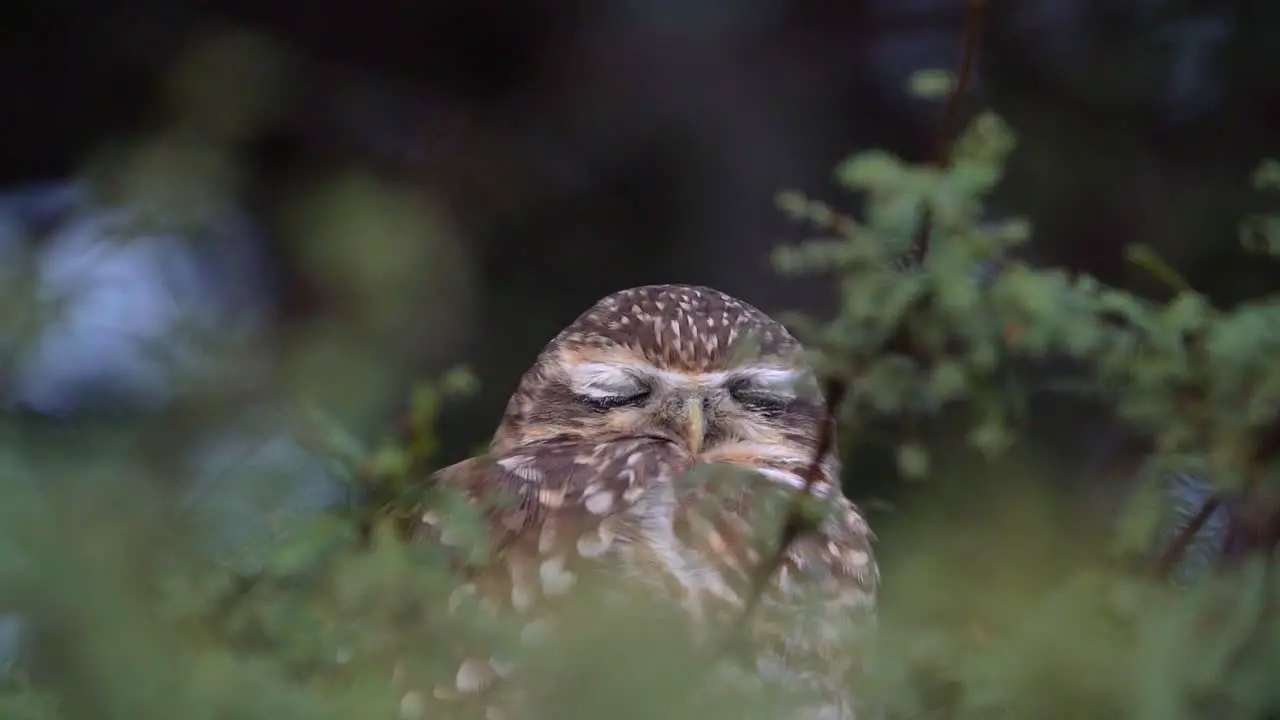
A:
134,311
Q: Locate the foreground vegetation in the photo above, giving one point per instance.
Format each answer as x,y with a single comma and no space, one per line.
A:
997,603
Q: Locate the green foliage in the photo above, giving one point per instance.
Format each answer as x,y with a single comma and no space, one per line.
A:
931,84
1261,232
948,336
994,604
317,631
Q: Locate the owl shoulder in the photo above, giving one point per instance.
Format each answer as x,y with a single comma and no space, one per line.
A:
569,484
839,555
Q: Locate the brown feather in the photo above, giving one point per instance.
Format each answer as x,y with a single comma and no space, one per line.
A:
578,496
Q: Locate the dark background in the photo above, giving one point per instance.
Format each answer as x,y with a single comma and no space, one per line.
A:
582,147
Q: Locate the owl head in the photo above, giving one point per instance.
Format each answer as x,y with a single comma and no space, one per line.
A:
686,364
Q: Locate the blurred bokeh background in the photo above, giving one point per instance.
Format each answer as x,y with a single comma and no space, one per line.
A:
563,150
212,208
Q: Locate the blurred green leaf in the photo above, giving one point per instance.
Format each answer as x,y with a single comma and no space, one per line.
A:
931,84
873,170
913,460
1267,176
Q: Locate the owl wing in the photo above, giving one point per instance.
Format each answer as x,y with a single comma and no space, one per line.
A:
553,512
807,634
819,612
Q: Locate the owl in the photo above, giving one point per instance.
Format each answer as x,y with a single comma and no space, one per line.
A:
599,473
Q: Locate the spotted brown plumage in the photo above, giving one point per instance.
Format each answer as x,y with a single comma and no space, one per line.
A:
606,470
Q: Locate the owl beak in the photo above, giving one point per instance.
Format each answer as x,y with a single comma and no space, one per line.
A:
694,429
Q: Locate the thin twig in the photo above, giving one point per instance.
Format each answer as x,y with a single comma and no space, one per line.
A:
1149,261
974,22
1173,552
796,521
971,42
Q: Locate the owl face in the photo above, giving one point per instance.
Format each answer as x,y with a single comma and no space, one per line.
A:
686,364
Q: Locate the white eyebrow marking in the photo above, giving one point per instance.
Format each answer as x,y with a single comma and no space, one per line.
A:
775,381
605,380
